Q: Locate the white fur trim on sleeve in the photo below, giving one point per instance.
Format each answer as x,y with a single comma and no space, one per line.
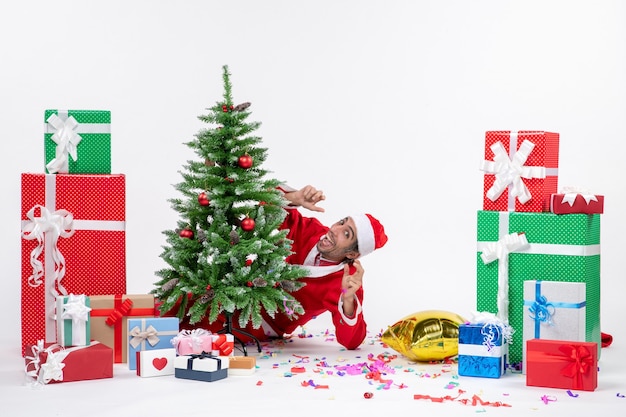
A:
350,321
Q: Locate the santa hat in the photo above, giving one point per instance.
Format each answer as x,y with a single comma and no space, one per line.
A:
370,234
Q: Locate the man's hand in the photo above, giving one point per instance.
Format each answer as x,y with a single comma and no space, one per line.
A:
350,283
306,197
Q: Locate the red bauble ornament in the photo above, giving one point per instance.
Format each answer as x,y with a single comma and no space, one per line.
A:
247,224
186,233
224,108
248,262
245,161
203,199
249,284
208,287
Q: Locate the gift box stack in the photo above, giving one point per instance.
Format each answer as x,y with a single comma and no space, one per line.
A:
73,245
538,252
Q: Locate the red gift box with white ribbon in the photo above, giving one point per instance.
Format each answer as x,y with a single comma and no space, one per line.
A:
521,170
573,200
49,363
73,241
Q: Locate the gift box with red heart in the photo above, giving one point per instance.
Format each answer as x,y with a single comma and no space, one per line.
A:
159,362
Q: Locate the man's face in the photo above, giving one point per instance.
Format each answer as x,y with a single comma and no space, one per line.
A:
337,243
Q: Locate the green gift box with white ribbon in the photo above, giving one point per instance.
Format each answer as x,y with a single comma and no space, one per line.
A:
514,247
77,141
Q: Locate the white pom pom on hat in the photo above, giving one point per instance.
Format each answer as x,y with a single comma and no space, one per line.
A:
370,234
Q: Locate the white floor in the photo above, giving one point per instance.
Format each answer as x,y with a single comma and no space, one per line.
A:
321,389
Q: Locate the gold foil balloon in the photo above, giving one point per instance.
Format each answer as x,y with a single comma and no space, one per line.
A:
425,336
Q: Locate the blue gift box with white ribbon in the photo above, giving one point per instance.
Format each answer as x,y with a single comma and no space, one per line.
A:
482,350
554,310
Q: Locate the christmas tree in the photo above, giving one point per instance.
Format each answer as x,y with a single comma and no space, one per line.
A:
228,253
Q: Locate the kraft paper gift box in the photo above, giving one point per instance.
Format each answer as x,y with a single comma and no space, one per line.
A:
482,350
77,141
554,311
109,319
560,248
50,363
159,362
521,170
241,365
195,341
202,367
73,320
574,202
149,334
562,364
73,241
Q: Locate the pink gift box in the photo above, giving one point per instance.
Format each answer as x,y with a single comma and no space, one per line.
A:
195,341
521,170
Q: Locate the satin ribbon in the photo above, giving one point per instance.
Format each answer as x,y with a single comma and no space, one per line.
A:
541,310
499,251
75,309
203,355
570,194
67,141
139,336
509,170
47,227
223,345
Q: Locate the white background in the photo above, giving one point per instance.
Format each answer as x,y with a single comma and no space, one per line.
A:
381,104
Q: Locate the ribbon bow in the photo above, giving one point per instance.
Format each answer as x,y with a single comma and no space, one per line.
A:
492,328
579,360
570,193
52,225
52,369
500,250
541,310
510,171
75,308
120,312
150,334
67,140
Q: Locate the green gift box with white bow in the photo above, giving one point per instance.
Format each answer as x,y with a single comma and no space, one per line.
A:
513,247
77,141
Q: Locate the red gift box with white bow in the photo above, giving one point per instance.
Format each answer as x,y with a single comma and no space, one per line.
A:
521,170
73,241
49,363
572,201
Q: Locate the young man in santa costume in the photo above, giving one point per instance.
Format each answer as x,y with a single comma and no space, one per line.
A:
334,283
331,254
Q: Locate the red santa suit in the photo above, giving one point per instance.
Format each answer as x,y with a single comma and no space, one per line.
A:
322,291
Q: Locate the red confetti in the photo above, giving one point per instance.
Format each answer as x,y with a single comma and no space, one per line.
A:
298,369
368,395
